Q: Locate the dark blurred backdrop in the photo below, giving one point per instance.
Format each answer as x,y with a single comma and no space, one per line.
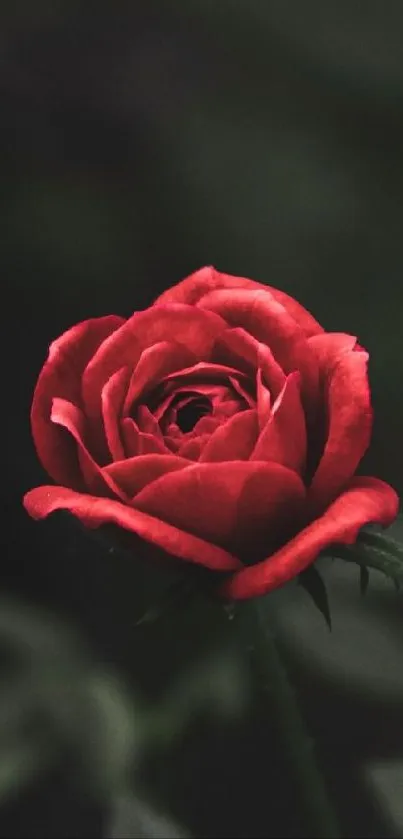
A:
139,142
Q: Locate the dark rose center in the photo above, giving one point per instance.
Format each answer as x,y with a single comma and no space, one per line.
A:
180,411
188,415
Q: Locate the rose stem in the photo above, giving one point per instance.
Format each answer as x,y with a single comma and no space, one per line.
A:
299,747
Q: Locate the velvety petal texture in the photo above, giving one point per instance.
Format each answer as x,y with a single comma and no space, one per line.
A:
221,425
366,500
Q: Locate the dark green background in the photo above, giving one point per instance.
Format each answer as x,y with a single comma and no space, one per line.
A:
140,142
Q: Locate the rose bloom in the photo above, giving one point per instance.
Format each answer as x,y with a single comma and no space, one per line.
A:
221,425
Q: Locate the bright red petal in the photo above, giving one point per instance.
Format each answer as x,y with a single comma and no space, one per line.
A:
283,439
224,502
192,328
154,364
366,500
112,399
208,279
329,347
203,373
94,512
69,417
234,440
349,433
238,349
268,321
61,376
264,401
137,472
192,449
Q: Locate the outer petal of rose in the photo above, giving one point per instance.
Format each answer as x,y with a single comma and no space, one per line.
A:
94,512
367,500
261,315
283,439
206,499
234,440
112,400
136,472
207,279
350,424
196,331
61,376
155,363
329,347
70,418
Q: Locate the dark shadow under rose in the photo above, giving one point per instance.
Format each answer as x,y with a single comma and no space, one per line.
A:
222,425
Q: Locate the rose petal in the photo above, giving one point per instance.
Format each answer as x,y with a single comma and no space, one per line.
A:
240,390
61,377
365,500
237,348
148,423
329,347
137,472
283,439
263,401
208,279
137,442
130,436
227,408
167,408
70,417
194,330
350,424
153,365
261,315
232,441
208,499
206,425
191,449
203,374
149,444
272,373
94,512
112,398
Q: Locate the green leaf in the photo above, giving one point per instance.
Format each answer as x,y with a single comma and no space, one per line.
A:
312,582
364,578
374,549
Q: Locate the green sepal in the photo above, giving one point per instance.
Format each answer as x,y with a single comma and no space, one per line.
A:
373,549
313,583
364,578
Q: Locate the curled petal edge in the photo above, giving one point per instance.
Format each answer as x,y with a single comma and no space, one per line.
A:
366,500
94,512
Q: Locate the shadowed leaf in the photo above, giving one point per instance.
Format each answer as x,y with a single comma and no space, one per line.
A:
312,582
364,578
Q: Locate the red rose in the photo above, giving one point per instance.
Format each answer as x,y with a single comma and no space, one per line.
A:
222,424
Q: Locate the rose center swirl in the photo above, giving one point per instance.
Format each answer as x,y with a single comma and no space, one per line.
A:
189,411
181,407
